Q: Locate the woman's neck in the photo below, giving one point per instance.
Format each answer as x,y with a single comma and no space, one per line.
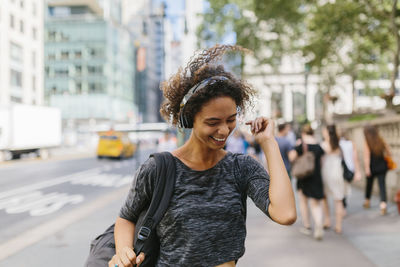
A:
197,156
309,139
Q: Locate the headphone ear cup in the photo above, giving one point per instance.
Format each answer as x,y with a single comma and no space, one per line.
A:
182,120
189,123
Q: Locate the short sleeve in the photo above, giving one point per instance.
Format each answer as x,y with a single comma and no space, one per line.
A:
257,181
141,191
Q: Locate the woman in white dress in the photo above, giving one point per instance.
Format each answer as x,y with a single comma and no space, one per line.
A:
332,176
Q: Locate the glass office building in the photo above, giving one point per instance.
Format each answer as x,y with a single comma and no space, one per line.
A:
89,64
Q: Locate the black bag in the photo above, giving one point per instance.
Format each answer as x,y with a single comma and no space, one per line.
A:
347,174
102,248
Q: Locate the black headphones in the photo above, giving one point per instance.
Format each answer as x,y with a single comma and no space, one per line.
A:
185,121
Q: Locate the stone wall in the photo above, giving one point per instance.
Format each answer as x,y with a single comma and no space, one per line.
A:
389,129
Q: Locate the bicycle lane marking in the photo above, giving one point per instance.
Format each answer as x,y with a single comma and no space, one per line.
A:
49,228
30,199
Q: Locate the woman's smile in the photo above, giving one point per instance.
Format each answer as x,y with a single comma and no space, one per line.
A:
218,141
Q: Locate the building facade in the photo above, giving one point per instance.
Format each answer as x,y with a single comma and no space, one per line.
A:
145,20
89,63
21,52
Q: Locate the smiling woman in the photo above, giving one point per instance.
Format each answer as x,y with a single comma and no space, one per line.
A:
205,222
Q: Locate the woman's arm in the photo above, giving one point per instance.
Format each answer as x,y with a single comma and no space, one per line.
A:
367,158
124,232
387,149
357,171
282,208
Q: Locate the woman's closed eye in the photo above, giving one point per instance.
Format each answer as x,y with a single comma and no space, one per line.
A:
216,123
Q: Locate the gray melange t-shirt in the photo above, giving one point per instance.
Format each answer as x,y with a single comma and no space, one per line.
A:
204,224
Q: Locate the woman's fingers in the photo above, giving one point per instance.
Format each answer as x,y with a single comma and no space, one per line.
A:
257,125
125,261
111,263
140,258
130,254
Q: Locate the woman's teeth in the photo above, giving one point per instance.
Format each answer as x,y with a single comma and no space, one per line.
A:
217,139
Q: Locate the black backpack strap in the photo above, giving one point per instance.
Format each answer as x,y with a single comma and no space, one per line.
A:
162,193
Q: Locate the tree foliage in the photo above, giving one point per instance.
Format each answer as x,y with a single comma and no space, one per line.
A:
359,38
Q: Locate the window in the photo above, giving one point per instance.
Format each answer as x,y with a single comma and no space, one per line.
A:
33,59
16,78
78,54
52,35
78,88
61,72
21,26
95,69
78,69
34,33
16,99
34,83
12,23
64,55
51,56
16,52
95,87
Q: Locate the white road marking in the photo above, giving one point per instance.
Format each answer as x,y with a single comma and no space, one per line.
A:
41,185
49,228
53,182
31,199
39,204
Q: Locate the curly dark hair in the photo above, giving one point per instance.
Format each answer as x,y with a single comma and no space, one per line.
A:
199,68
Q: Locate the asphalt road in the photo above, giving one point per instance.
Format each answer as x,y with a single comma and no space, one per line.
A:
40,198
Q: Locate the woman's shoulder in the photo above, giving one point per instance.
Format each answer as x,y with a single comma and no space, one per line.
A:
246,163
148,167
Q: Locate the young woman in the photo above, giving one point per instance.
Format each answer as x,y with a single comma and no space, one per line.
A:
204,224
310,188
375,148
332,176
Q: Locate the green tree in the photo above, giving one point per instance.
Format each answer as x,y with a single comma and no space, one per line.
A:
358,38
268,28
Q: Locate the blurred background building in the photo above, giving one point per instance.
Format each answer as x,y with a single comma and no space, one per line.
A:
21,52
89,62
145,20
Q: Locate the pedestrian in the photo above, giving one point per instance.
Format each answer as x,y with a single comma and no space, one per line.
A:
291,136
375,149
350,157
285,146
236,143
332,176
167,143
204,224
310,189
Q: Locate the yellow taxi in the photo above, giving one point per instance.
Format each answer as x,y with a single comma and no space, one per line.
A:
115,144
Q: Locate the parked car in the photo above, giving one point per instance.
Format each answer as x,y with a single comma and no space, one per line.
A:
113,144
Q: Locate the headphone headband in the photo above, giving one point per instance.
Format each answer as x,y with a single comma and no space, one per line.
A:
183,121
199,86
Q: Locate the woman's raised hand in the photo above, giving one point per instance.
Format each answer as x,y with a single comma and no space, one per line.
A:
262,128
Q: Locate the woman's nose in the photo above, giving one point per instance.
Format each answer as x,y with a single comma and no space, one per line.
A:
223,130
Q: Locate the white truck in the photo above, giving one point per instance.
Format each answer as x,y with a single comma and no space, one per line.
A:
28,128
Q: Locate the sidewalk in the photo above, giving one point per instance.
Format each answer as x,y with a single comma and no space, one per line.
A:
368,239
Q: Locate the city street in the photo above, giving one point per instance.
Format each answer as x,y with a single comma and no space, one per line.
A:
51,210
